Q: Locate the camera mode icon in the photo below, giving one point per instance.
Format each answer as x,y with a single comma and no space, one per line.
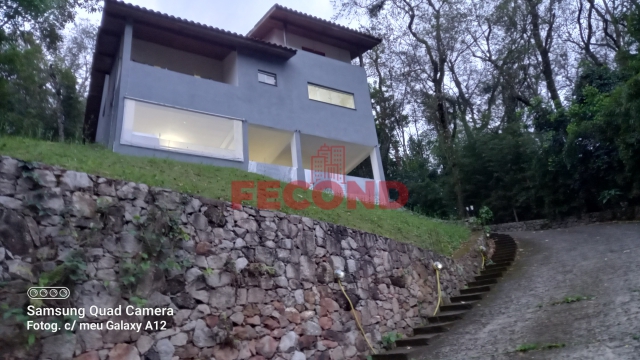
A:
48,293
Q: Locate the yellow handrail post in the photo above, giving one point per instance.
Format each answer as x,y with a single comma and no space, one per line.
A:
438,266
339,276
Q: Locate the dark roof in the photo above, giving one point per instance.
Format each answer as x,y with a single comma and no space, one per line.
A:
150,23
313,27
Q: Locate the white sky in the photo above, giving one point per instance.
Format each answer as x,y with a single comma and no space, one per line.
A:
238,16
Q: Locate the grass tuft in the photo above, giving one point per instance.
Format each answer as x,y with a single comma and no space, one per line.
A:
526,347
572,299
215,182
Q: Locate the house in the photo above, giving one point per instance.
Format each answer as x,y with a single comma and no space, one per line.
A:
272,101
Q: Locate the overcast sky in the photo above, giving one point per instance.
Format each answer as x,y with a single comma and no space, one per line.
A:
234,15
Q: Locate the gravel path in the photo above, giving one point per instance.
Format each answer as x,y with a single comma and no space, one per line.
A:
599,261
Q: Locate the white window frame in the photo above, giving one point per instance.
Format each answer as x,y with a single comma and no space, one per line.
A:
129,137
309,85
268,74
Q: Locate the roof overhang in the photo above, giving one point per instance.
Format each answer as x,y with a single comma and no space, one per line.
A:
356,42
115,15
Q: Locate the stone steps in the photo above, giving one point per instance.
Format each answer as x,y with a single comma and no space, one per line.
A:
458,306
416,346
466,298
433,328
487,277
445,317
497,264
475,289
499,258
416,340
494,270
401,353
503,254
483,282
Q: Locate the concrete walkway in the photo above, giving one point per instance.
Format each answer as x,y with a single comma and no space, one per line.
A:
599,261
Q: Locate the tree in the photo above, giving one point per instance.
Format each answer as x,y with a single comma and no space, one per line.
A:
76,52
44,19
430,44
533,103
38,93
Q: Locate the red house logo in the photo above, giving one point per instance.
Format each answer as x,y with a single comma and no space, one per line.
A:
329,164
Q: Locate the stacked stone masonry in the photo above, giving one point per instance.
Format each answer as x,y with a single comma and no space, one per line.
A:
248,284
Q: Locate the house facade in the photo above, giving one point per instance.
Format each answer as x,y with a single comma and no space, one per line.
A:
270,102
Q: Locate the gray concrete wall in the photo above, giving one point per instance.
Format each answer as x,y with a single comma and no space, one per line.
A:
286,106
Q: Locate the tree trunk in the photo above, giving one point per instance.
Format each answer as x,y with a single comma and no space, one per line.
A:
445,129
59,108
543,50
455,171
60,126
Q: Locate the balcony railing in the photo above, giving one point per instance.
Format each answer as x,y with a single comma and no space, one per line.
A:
357,189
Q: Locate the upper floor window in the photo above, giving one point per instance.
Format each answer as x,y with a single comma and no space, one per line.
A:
331,96
267,78
313,51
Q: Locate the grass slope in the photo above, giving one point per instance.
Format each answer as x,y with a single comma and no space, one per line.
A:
215,182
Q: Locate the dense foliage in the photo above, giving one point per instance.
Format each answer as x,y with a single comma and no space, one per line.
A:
43,67
542,99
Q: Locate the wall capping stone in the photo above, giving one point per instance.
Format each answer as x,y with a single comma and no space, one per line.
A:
628,214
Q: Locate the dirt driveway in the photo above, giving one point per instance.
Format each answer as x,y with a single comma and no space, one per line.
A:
598,262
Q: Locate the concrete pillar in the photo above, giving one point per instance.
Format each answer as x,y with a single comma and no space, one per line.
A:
245,144
376,164
378,172
125,73
296,156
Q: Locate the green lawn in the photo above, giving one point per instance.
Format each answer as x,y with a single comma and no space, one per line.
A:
215,182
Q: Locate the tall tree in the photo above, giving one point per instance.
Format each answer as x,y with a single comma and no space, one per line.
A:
544,42
38,93
76,51
432,42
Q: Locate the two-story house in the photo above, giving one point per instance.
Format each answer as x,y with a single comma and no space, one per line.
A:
274,101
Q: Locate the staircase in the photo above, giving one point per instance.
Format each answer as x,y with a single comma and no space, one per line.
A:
415,346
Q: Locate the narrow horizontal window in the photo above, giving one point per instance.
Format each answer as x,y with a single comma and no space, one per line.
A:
267,78
161,127
317,52
331,96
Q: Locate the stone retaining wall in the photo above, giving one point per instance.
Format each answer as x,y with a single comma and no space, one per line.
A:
241,283
591,218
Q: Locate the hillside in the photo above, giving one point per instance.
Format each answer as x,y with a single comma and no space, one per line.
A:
215,182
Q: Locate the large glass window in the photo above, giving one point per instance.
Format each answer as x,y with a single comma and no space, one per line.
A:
331,96
162,127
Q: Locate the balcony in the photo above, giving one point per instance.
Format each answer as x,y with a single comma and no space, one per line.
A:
190,56
323,162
